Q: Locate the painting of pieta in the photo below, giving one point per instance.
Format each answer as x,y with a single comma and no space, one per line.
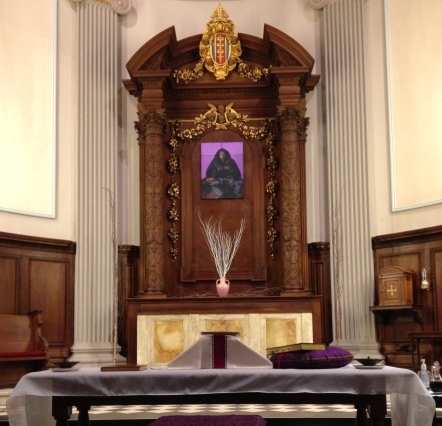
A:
222,170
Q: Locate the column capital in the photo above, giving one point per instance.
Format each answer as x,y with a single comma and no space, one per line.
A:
151,122
294,119
318,4
121,7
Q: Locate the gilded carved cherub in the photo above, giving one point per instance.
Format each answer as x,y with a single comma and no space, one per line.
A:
221,116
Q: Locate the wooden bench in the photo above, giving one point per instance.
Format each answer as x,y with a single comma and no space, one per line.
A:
23,349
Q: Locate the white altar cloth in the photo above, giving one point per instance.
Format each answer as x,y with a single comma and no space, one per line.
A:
30,401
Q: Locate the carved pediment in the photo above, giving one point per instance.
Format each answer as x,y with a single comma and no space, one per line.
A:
249,62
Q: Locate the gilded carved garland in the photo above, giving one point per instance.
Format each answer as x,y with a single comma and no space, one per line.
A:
271,190
221,118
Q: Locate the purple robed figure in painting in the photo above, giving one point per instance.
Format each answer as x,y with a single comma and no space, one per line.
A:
223,177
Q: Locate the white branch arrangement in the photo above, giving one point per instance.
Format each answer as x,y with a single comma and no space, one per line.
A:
222,245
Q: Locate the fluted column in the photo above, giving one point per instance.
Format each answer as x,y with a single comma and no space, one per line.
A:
347,141
95,282
151,128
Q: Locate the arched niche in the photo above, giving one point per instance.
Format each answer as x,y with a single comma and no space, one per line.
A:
269,82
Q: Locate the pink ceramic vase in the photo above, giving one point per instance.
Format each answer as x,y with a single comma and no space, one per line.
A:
222,286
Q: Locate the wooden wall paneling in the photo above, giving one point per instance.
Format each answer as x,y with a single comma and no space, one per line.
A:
413,250
41,277
320,281
48,278
435,279
9,283
127,287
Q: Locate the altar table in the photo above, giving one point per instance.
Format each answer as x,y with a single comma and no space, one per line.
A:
39,394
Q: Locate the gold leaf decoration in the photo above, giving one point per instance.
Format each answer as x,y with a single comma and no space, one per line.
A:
255,74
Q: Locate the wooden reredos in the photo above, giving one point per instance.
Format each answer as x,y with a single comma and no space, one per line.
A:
181,105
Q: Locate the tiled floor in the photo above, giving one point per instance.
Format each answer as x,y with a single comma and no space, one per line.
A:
277,411
268,411
112,412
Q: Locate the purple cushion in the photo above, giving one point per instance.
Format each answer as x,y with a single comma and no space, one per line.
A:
331,357
229,420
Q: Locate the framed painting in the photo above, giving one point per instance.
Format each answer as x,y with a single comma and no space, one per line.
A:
222,170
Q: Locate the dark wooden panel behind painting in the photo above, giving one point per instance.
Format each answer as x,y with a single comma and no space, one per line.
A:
413,250
38,274
249,263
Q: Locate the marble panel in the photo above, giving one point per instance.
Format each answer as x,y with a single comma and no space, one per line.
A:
160,338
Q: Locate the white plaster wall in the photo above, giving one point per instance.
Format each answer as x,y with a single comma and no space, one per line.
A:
27,146
62,227
384,221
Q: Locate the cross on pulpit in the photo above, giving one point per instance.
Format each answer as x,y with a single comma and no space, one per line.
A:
391,290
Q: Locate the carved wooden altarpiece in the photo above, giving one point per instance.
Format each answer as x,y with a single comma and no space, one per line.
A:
222,87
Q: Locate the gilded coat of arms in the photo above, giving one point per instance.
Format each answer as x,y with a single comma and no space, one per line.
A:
220,52
220,48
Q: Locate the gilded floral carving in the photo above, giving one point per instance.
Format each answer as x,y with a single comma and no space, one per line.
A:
253,74
187,75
